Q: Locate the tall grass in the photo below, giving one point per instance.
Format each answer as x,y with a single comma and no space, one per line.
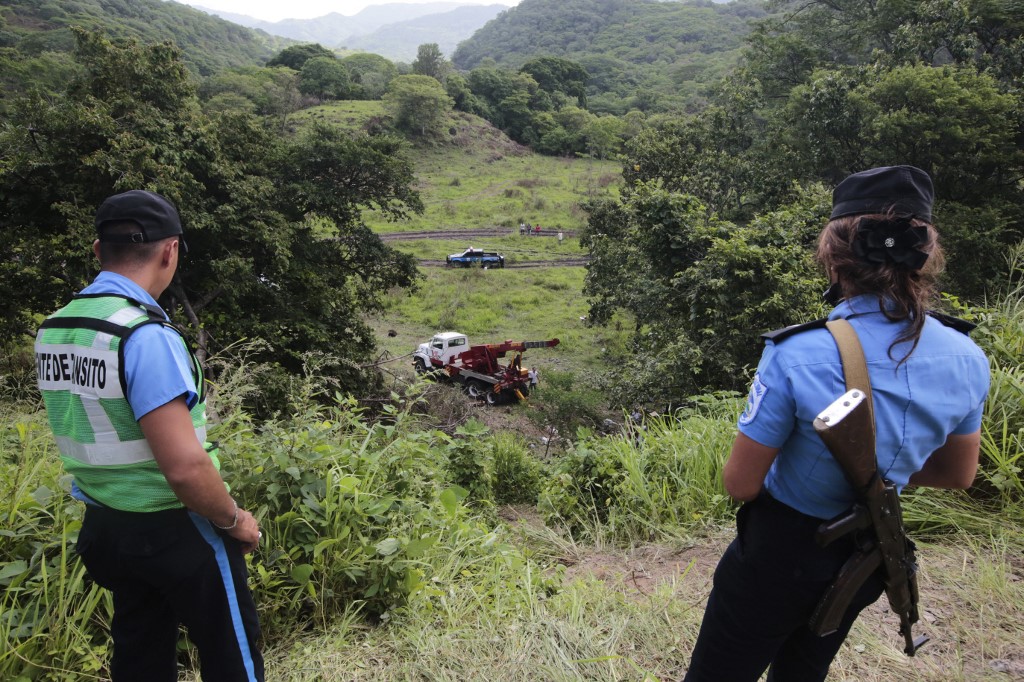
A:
662,479
52,614
997,500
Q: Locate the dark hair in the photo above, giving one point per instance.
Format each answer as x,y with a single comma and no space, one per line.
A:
903,293
121,254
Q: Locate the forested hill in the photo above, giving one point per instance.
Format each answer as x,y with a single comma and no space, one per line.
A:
625,45
41,30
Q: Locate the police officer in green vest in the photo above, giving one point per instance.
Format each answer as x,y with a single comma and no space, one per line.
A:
125,399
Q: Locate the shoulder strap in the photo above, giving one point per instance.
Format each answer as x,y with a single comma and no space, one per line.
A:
855,367
778,335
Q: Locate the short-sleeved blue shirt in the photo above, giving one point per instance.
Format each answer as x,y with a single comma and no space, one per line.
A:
939,390
156,364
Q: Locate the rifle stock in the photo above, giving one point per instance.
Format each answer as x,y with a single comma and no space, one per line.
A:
847,427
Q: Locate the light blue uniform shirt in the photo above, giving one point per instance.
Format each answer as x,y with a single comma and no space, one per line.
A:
939,390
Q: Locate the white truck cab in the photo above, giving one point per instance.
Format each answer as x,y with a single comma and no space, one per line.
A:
440,350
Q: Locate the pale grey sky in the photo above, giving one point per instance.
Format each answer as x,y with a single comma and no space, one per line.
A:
275,10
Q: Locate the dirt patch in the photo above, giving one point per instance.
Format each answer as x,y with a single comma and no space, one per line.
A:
507,418
642,569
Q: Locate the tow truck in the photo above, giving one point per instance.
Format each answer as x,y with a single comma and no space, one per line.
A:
449,355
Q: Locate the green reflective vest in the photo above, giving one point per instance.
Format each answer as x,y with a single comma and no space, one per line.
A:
79,363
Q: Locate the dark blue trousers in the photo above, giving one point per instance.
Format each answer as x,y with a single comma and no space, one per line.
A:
167,569
766,587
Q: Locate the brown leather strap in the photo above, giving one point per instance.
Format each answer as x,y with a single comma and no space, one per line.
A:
855,367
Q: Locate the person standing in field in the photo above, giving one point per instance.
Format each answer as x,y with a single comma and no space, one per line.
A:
561,236
126,401
929,383
533,376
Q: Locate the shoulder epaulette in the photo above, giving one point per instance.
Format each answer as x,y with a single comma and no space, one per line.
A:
786,332
962,326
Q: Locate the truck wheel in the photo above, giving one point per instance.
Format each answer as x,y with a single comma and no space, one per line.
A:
494,398
476,389
421,366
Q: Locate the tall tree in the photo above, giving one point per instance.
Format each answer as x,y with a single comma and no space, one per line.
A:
699,289
430,61
371,74
248,200
296,56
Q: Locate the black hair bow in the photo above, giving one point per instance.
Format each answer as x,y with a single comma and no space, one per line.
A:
895,241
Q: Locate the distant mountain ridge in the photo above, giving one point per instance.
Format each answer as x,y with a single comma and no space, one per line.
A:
399,41
336,30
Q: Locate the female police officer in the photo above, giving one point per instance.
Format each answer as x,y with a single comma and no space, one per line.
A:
929,383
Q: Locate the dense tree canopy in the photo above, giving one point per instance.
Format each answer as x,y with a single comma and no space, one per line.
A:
556,75
829,87
699,289
669,50
370,73
256,208
36,38
325,78
296,56
270,92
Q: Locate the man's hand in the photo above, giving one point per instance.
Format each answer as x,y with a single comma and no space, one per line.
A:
246,531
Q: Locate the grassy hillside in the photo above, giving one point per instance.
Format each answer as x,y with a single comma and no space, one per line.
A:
478,177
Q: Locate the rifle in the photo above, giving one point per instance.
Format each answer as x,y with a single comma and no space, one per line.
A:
847,427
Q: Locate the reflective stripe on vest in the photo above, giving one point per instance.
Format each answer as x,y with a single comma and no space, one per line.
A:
82,383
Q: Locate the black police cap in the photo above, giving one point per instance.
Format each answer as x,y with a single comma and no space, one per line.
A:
156,217
904,189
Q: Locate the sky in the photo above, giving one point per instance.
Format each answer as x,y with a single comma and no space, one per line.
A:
275,10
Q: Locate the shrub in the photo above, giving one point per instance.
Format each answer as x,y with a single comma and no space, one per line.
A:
566,403
471,462
517,474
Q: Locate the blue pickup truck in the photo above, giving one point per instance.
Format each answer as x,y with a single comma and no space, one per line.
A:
471,257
